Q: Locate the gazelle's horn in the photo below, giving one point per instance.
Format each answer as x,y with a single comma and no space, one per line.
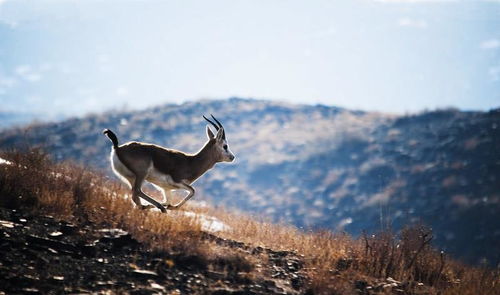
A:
220,125
213,124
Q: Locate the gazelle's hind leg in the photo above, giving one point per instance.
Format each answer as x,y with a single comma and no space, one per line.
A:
129,180
135,176
137,192
120,170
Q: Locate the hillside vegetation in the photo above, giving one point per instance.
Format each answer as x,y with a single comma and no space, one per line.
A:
320,167
253,257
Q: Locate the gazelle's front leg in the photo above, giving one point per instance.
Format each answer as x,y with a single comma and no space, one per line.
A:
167,196
187,187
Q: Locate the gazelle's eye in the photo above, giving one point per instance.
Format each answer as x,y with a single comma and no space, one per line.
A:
225,147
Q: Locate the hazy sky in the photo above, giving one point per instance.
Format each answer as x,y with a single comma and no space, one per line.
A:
74,57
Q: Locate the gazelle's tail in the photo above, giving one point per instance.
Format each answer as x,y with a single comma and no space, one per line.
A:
111,137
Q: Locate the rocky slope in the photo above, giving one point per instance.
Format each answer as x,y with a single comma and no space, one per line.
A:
42,255
322,167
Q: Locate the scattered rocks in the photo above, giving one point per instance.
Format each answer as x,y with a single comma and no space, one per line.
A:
43,255
390,286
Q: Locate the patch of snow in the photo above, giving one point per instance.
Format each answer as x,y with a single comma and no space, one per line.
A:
208,223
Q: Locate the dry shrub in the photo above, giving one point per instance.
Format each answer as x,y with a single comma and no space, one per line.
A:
232,261
409,258
19,183
474,280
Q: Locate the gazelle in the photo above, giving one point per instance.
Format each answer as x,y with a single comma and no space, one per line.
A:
167,169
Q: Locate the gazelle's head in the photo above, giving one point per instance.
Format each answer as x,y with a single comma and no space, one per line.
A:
220,147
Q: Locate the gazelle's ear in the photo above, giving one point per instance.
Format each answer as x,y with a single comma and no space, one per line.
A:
220,134
210,134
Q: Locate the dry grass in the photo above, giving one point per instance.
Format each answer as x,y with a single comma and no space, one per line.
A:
75,193
334,262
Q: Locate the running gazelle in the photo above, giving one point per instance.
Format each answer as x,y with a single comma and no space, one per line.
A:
167,169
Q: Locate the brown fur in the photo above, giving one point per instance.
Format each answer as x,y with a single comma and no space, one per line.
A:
179,165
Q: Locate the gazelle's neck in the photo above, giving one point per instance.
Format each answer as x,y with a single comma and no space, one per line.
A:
202,161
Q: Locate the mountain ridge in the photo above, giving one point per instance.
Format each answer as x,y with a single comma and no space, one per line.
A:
320,166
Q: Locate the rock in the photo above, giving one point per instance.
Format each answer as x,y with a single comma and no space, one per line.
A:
55,234
113,232
119,240
216,275
144,274
223,291
391,280
7,224
343,264
68,228
360,285
45,243
297,282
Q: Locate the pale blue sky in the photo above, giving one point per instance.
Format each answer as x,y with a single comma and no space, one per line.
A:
75,57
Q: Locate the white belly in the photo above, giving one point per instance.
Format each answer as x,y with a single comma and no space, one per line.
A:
154,176
162,180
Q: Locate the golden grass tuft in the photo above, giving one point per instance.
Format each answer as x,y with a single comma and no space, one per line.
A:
334,262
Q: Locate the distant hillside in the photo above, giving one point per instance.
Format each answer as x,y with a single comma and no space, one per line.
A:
10,119
322,167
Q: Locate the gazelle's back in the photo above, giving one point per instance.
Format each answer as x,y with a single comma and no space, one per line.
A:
167,161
